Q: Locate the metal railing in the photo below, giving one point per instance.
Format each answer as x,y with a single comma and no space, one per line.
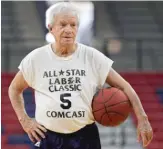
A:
139,50
14,47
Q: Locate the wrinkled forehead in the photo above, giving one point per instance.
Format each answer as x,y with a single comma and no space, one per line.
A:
67,16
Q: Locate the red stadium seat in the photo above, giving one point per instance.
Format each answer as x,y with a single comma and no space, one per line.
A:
143,89
145,84
13,128
4,139
7,108
5,100
155,117
159,136
6,146
155,144
9,117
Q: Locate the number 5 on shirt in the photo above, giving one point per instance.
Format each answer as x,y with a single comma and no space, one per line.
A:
66,103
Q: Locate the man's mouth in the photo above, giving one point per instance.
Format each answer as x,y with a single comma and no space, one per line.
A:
67,37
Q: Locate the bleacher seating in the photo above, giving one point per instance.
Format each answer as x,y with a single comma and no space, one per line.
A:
136,24
12,132
150,100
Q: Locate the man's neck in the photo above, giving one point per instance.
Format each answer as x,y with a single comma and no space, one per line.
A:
63,50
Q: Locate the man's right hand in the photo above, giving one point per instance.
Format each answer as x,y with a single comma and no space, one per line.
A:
33,129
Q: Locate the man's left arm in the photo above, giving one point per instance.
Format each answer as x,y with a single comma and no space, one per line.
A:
144,129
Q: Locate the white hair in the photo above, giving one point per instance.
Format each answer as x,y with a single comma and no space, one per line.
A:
62,7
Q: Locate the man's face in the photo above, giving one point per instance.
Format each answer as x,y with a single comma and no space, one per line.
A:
65,29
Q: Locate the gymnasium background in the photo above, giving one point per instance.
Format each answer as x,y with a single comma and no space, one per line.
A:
130,33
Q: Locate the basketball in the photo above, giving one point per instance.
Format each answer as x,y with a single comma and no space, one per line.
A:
111,107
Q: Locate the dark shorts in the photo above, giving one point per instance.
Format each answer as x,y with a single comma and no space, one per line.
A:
85,138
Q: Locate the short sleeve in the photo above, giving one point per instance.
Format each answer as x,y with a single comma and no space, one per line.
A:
27,68
103,65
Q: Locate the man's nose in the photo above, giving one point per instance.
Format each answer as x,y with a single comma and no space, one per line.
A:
68,29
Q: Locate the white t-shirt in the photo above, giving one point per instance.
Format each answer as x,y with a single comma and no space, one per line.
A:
64,87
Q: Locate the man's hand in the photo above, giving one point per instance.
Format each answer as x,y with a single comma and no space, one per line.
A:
144,129
144,132
33,129
30,126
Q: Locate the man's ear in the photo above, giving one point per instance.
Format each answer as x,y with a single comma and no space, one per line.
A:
50,28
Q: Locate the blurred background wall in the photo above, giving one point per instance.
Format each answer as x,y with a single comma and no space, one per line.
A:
130,33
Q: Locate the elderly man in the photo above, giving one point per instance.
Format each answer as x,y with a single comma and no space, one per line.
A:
65,75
